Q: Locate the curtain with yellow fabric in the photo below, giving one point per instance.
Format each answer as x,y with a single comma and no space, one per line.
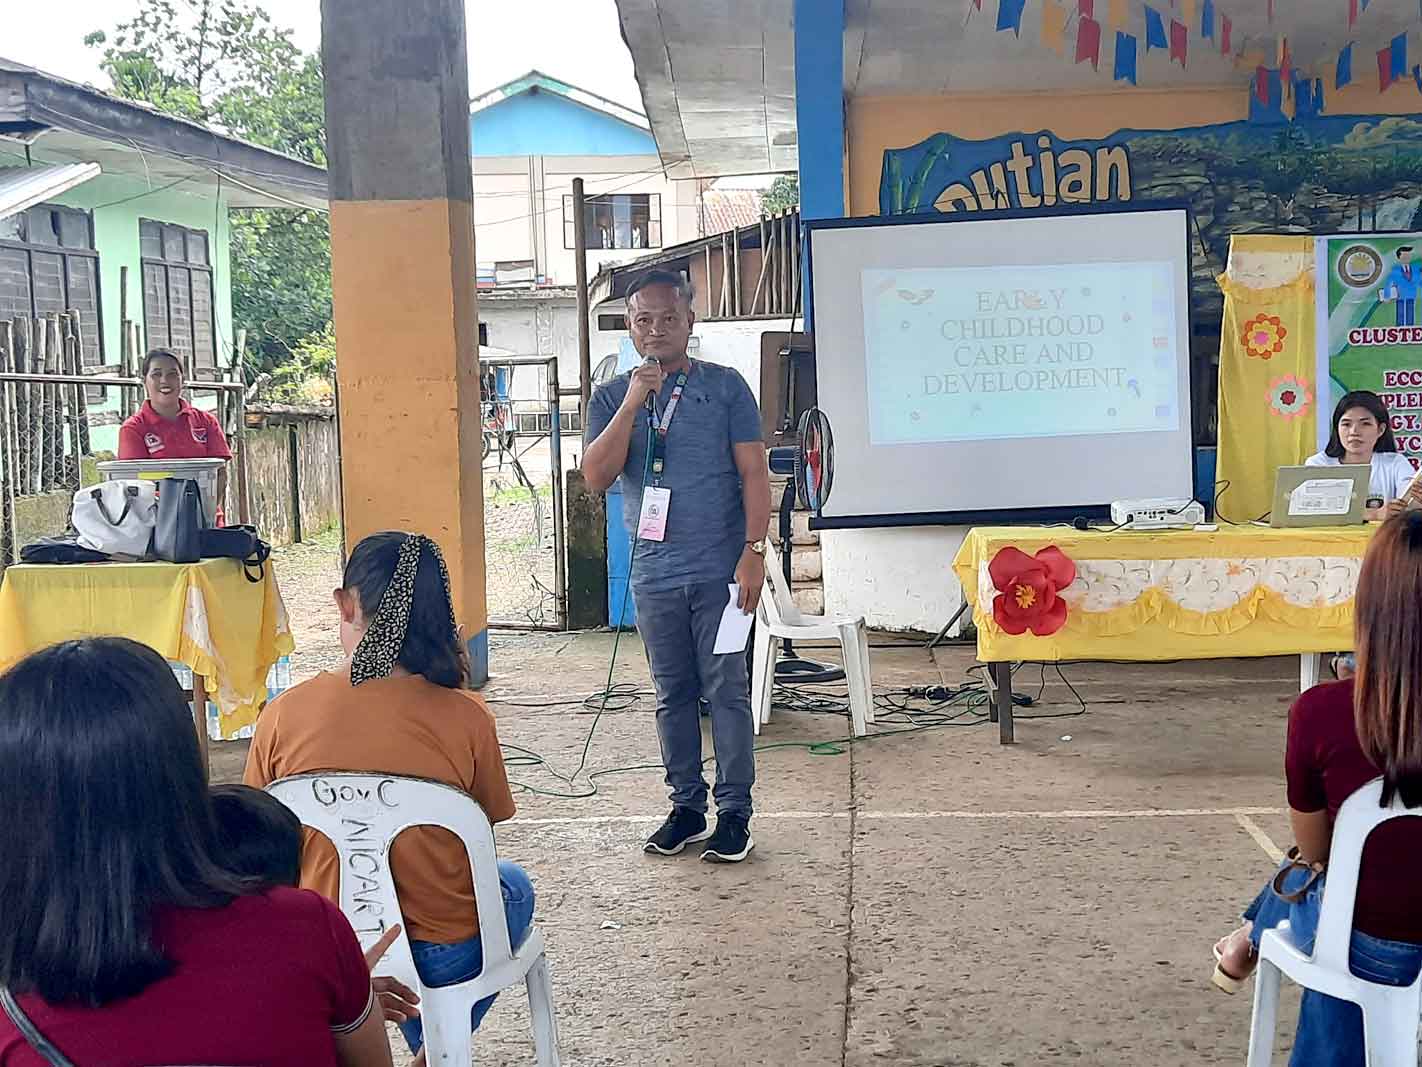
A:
1268,392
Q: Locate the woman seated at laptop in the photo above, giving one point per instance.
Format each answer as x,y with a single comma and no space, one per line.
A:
1341,736
1362,434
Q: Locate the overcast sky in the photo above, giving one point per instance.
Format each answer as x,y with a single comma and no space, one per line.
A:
577,41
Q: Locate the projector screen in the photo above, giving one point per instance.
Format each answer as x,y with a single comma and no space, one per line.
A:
1032,367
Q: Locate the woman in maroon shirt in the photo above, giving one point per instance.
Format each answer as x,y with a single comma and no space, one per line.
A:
125,941
1342,736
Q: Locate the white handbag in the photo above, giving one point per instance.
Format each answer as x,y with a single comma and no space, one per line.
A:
117,518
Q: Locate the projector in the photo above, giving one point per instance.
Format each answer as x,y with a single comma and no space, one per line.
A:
1158,513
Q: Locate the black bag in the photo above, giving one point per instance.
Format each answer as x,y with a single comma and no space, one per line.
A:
60,550
178,536
237,542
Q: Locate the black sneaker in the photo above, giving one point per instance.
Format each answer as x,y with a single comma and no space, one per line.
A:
682,827
731,842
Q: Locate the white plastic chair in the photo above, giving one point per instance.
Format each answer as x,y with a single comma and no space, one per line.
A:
778,619
362,814
1390,1013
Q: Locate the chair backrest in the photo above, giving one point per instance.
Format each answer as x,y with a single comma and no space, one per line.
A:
779,605
1360,815
362,814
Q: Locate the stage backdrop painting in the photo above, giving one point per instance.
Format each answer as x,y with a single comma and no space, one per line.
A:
1369,336
1319,175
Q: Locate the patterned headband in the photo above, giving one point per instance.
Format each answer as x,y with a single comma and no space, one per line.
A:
379,649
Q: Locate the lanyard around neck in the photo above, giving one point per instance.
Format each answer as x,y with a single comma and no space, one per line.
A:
660,426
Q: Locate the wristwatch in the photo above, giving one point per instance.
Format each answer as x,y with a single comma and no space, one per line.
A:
758,547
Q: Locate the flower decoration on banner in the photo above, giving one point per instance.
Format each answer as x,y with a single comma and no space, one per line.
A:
1290,397
1264,336
1029,590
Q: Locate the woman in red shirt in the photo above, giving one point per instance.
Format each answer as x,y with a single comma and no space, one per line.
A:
125,940
167,426
1342,736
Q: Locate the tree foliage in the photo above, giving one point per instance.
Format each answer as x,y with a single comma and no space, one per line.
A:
224,63
783,195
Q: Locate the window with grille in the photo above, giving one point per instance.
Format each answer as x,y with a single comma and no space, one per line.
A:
48,264
177,294
617,221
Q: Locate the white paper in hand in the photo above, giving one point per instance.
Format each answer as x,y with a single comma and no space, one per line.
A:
735,627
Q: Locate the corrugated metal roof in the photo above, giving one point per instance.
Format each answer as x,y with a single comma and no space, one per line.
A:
22,187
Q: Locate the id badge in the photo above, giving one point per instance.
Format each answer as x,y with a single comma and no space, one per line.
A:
656,502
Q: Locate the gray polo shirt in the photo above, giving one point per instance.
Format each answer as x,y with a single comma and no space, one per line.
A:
706,527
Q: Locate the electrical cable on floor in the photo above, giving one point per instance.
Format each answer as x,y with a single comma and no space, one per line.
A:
897,711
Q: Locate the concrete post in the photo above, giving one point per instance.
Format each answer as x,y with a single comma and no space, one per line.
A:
402,245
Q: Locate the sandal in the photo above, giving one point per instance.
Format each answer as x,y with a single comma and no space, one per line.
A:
1222,979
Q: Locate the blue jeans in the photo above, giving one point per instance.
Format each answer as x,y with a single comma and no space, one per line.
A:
678,626
1330,1032
441,965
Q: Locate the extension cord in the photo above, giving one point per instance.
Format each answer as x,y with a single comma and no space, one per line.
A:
941,693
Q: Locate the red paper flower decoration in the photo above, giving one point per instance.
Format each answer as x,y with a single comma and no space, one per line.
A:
1028,588
1264,336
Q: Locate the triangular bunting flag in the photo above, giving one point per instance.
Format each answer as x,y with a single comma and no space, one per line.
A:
1365,5
1352,13
1088,42
1009,15
1397,52
1207,20
1086,8
1179,41
1417,76
1155,30
1125,68
1261,84
1271,10
1385,69
1054,18
1226,32
1344,74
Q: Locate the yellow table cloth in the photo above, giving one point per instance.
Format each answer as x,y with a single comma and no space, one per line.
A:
1178,594
206,615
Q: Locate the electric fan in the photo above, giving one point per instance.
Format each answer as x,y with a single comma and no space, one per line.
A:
810,466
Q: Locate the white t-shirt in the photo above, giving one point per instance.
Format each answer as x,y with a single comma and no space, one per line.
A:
1391,474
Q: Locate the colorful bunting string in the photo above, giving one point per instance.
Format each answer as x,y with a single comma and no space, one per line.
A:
1155,30
1179,41
1125,65
1054,18
1088,42
1009,15
1207,20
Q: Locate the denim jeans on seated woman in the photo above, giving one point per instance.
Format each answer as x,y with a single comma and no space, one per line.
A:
441,965
1330,1031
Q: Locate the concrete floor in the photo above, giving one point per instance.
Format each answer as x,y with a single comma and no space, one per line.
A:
925,898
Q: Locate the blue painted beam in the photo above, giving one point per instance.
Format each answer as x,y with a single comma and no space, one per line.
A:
819,114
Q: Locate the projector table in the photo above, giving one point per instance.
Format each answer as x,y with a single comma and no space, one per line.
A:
1159,595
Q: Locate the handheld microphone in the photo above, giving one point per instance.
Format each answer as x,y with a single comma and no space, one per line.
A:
651,401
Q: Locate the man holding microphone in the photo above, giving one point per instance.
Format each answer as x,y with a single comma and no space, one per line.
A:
685,439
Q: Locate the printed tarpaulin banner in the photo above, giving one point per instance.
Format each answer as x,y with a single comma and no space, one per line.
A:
1315,174
1369,333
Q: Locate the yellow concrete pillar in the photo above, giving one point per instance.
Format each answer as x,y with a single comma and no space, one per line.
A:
402,246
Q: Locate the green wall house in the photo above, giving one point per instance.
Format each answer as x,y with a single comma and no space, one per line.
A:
91,185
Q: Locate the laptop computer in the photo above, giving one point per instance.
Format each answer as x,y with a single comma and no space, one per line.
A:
1320,496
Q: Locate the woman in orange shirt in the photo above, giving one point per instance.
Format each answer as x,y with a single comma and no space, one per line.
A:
400,706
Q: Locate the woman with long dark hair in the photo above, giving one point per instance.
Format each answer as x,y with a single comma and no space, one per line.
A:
1342,736
1361,435
125,940
400,705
